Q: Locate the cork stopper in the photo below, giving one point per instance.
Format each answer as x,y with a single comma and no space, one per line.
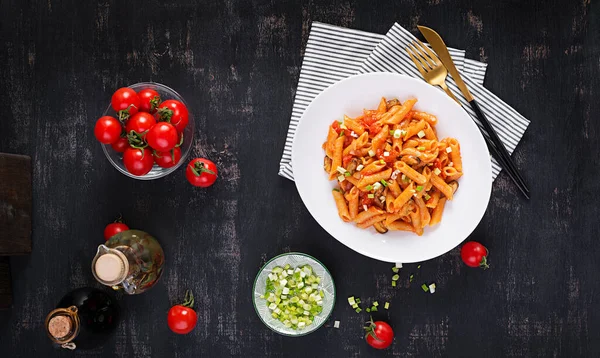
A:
110,268
60,326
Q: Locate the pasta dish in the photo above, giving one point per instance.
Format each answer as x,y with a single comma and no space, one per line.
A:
393,171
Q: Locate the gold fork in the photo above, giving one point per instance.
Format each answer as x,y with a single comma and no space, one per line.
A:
430,66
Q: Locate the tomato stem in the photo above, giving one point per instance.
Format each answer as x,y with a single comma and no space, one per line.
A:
371,330
188,300
164,114
199,168
119,219
123,114
483,264
154,102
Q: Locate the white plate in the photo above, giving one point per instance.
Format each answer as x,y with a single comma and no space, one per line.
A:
294,259
350,96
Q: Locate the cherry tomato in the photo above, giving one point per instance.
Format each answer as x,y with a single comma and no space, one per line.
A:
140,123
114,228
120,145
174,112
138,161
149,100
345,160
107,130
162,137
182,318
201,172
474,254
379,334
125,102
169,158
336,127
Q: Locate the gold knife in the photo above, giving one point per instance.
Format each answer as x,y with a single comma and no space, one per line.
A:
438,45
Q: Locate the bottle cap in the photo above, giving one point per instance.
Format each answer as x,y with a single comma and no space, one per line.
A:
59,326
110,268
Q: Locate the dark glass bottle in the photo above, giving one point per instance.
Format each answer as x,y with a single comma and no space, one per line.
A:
84,319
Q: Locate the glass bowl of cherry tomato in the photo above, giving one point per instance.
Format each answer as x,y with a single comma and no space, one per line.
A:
146,131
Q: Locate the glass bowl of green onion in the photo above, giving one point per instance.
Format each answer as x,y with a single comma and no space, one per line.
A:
293,294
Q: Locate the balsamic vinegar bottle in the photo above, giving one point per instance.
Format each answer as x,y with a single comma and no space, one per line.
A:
84,319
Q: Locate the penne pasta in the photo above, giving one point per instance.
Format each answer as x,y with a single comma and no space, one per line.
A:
403,198
400,226
366,215
340,202
337,157
370,221
374,178
441,185
353,125
410,172
436,214
393,171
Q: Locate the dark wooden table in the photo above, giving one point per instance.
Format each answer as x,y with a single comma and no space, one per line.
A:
237,64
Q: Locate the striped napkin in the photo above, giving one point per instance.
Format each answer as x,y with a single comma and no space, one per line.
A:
334,53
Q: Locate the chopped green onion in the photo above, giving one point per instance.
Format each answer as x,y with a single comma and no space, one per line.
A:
369,187
395,269
419,266
403,132
427,197
395,277
391,132
424,287
347,174
368,309
397,133
381,161
355,306
351,300
373,309
432,288
421,134
375,303
358,310
419,187
292,296
340,122
383,182
358,301
377,185
338,190
411,278
371,153
393,283
371,196
341,133
387,305
421,148
343,126
341,170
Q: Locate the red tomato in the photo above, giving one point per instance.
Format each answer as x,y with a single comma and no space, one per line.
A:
201,172
162,137
120,145
379,334
125,102
140,123
392,157
114,228
347,139
182,318
169,158
174,112
365,200
474,254
138,161
107,130
336,127
149,100
346,160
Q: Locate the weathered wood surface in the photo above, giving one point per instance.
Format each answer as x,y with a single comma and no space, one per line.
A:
15,204
237,64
